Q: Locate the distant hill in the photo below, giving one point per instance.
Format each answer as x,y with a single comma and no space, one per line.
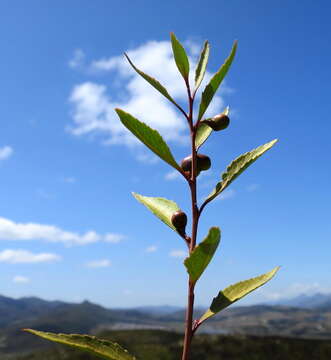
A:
12,310
158,310
164,345
87,317
307,301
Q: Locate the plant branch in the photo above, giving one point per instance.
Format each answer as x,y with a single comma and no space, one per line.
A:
195,219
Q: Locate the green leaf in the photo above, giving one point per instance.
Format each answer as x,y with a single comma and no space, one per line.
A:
202,64
210,90
153,82
204,131
150,137
162,208
180,57
102,348
235,292
237,166
201,256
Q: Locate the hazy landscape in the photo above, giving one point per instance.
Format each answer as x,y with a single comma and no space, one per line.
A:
301,325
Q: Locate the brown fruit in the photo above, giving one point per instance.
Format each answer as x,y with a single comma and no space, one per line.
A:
218,122
179,221
203,163
186,163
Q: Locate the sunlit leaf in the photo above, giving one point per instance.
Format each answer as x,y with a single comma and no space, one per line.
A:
180,57
201,256
235,292
204,131
210,90
202,64
150,137
156,84
102,348
238,166
162,208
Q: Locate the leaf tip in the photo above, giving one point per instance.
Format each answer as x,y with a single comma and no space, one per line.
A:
135,195
215,228
274,271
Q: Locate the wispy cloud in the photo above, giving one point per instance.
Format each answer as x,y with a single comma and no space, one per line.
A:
77,59
227,194
113,238
99,263
18,256
151,249
6,152
10,230
45,194
252,187
173,175
69,180
93,103
21,279
294,290
146,157
178,253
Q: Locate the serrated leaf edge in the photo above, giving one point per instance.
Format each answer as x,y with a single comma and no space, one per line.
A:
202,65
223,184
171,161
269,275
50,336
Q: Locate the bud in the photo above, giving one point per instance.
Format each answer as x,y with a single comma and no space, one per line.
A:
179,221
218,122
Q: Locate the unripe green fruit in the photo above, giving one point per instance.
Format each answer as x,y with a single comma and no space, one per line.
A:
179,221
203,163
218,122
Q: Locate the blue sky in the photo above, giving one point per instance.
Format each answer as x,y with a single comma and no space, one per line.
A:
69,227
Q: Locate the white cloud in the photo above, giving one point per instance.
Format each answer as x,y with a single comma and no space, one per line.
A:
93,104
9,230
77,59
151,249
23,256
99,263
21,279
178,253
6,152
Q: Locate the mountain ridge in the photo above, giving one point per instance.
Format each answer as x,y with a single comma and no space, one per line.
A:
87,317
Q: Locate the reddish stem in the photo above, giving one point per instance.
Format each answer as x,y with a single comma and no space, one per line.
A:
195,219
